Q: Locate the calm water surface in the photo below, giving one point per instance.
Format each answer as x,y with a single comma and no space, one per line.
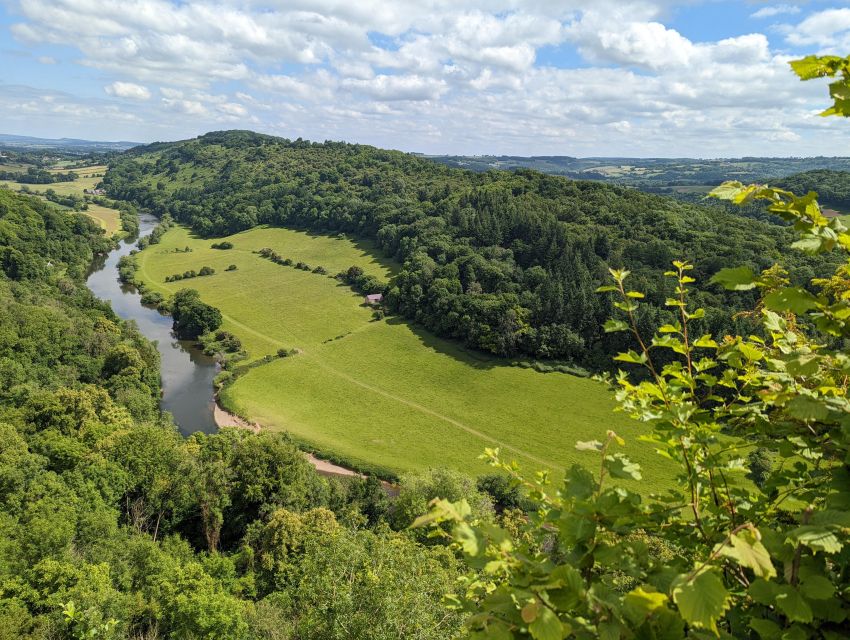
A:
187,374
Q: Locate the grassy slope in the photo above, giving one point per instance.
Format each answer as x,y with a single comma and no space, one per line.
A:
106,217
386,394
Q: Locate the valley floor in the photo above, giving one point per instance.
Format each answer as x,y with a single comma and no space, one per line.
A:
379,394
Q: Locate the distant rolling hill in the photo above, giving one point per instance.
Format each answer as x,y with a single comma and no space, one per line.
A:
30,143
652,173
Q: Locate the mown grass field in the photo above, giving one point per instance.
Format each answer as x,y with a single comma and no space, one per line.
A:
88,177
380,394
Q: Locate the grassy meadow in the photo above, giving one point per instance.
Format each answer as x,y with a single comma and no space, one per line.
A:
87,178
378,394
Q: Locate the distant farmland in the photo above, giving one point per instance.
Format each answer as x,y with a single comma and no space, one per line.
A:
87,178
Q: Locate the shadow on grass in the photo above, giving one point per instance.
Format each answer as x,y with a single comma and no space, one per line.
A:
445,346
449,347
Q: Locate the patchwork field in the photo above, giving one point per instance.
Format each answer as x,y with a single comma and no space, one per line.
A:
88,177
379,394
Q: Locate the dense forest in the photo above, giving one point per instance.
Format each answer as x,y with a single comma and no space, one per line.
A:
112,525
507,262
832,187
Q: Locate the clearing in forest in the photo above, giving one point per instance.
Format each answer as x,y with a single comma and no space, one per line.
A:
378,394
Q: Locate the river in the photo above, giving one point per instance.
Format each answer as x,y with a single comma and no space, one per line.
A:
187,374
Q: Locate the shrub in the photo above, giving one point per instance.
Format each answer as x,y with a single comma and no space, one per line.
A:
152,297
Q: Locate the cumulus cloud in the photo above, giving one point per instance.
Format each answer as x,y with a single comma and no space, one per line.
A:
829,29
444,75
385,87
46,60
775,10
128,90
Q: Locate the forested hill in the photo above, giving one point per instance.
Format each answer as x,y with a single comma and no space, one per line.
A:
505,261
832,187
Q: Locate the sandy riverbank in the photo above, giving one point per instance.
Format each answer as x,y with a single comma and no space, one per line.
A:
226,419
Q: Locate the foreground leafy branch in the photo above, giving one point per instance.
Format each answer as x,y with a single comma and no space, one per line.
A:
724,552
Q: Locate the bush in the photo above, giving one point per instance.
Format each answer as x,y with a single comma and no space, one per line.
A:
231,267
152,298
192,317
222,245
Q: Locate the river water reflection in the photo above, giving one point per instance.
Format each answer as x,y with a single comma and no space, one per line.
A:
187,374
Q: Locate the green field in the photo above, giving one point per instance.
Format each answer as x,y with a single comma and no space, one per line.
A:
378,394
87,179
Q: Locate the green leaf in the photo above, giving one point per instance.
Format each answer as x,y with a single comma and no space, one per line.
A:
630,356
495,630
735,278
571,590
808,409
750,352
701,600
727,191
640,604
546,626
796,632
609,630
612,326
791,299
812,67
579,483
812,244
619,466
470,540
442,511
817,538
792,604
802,365
767,629
748,551
762,591
705,342
817,588
575,529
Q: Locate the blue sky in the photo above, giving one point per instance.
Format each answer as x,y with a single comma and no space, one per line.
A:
565,77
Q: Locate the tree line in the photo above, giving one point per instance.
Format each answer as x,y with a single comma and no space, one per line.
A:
505,262
35,175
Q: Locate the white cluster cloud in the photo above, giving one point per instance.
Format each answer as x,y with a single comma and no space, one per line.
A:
776,10
829,30
128,90
448,75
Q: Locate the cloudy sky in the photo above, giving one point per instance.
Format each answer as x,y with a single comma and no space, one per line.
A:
643,78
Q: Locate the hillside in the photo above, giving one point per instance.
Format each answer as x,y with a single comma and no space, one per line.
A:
832,187
506,262
114,526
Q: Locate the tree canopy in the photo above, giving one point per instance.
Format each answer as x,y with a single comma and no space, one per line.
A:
506,262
